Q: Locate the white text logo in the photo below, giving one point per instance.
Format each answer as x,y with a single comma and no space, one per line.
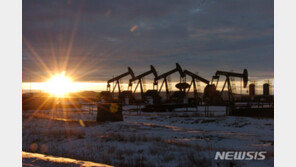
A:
240,155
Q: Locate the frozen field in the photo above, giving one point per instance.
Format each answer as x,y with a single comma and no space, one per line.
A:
35,159
148,139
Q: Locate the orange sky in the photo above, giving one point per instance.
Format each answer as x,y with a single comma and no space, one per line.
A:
101,86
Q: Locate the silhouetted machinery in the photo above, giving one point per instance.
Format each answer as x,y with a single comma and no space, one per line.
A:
194,79
244,77
266,89
123,95
181,95
211,96
252,89
110,108
164,77
140,81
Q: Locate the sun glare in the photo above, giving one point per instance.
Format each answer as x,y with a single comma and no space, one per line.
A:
59,85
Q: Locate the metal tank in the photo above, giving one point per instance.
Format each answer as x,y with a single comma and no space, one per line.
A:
252,89
266,89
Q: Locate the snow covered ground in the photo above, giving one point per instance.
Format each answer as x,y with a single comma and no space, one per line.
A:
179,138
35,159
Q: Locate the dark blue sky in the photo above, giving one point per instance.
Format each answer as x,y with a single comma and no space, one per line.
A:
98,39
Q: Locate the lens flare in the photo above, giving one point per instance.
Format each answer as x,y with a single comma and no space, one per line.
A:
59,85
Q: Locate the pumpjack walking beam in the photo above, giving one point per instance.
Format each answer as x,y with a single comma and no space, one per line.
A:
140,77
194,78
164,77
244,76
116,79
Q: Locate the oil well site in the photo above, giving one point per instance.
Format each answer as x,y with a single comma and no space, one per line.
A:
170,123
148,83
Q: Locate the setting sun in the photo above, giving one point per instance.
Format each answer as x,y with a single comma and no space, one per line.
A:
59,85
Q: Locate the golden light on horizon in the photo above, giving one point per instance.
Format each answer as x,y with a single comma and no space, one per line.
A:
59,85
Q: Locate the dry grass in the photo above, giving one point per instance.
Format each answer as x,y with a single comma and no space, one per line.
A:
177,143
129,138
125,144
195,159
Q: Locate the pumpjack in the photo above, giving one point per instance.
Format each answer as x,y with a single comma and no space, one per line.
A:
164,77
194,78
117,83
243,75
140,80
111,108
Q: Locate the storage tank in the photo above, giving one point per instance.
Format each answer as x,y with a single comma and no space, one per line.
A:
266,89
252,89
